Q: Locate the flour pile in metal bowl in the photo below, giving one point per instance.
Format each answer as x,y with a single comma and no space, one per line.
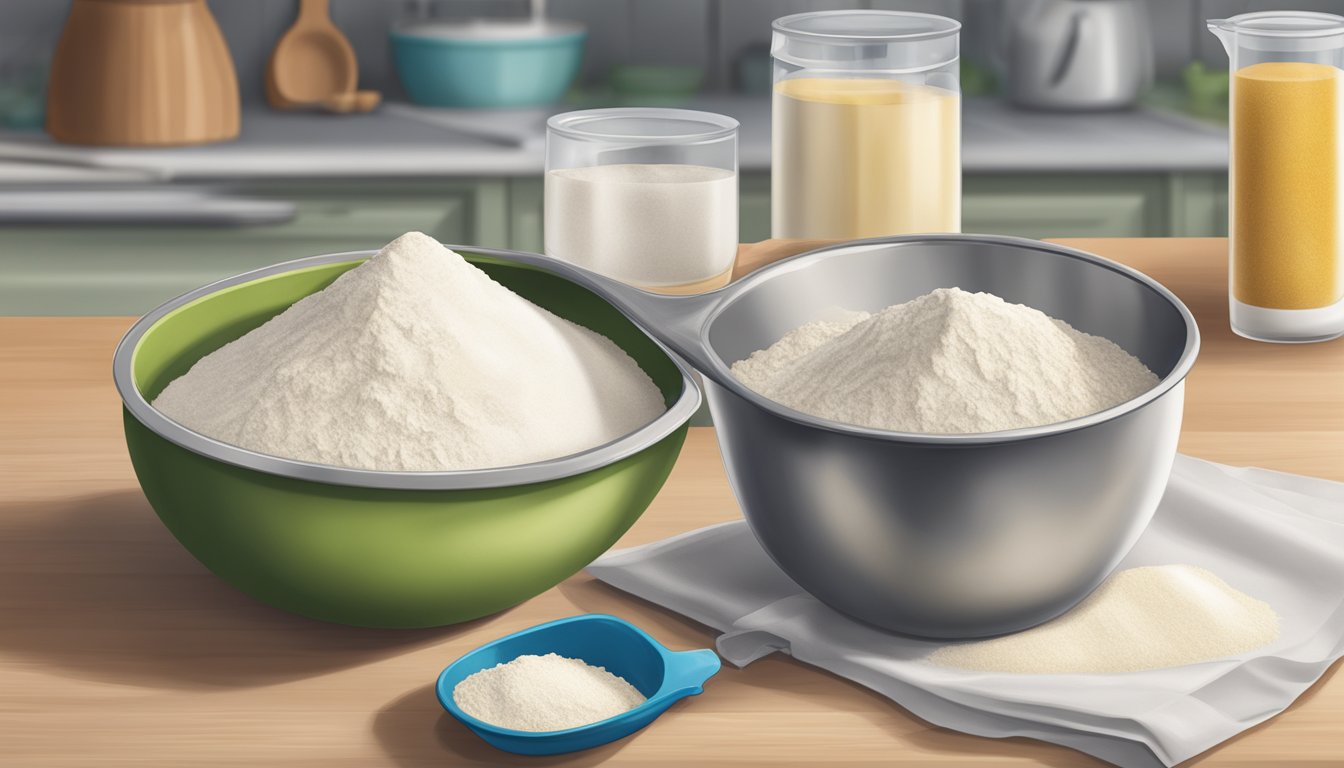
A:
947,362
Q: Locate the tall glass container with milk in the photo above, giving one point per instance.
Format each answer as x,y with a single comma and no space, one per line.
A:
1286,185
866,125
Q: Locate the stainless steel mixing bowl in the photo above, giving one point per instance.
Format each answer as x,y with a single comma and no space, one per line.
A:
945,536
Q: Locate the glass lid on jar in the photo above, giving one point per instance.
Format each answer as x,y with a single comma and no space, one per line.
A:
1282,24
642,125
874,40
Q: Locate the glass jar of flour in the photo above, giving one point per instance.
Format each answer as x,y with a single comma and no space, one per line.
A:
645,196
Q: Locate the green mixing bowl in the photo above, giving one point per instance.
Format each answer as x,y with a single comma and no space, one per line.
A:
385,549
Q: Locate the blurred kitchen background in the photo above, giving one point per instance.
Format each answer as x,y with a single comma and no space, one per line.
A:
98,230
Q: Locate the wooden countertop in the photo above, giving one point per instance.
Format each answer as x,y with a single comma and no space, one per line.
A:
117,648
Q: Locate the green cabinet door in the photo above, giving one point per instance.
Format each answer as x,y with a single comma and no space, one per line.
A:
753,218
525,214
1065,206
98,270
1058,205
1199,205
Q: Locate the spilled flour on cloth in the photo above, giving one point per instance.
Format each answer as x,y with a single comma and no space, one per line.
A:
1141,618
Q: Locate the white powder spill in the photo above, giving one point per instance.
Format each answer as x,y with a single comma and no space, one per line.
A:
545,693
651,225
947,362
417,361
1141,618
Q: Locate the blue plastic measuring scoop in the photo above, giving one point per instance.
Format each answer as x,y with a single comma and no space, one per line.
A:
663,676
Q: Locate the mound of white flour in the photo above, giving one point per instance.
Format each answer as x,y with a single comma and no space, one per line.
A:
545,693
415,360
947,362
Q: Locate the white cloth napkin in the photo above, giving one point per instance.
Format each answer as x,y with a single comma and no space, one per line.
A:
1277,537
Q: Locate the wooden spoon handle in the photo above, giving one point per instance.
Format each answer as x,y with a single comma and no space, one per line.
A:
315,10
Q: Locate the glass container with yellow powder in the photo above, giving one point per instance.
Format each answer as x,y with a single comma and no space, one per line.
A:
866,125
1286,225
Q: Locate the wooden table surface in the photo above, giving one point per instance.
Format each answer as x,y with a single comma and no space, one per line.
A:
117,648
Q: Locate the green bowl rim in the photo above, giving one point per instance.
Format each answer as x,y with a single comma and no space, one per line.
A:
598,457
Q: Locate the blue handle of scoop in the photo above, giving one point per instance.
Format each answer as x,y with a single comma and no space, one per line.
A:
687,672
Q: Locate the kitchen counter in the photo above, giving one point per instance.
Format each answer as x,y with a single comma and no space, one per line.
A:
403,141
117,648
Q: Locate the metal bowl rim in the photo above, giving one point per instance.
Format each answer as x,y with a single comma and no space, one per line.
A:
558,468
730,295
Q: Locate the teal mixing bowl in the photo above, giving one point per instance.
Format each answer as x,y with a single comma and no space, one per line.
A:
487,63
385,549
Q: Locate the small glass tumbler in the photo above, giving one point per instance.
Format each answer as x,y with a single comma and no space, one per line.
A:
645,196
